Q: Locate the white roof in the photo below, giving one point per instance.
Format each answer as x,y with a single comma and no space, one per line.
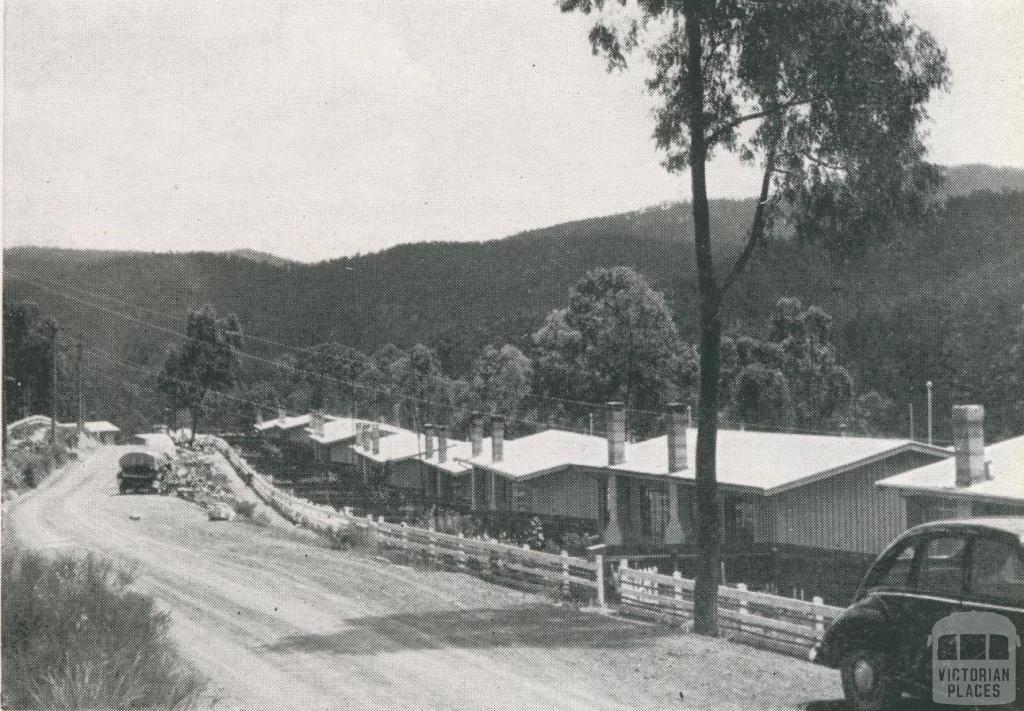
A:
283,423
538,454
160,442
395,444
458,456
1006,470
100,426
772,461
343,428
769,461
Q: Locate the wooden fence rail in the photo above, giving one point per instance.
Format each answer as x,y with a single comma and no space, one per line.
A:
782,623
787,624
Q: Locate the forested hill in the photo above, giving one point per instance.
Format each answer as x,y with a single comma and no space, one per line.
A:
941,302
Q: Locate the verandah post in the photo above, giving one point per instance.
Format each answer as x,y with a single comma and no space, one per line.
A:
599,570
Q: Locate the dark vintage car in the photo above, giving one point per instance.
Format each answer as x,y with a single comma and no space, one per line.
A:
141,471
935,574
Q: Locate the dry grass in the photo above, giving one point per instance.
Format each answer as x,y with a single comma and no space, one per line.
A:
74,637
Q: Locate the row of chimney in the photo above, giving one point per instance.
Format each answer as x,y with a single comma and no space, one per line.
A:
678,423
968,431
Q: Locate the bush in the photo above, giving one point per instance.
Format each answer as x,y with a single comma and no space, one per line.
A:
73,636
246,509
349,537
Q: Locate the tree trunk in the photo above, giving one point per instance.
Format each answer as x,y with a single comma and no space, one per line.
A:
708,539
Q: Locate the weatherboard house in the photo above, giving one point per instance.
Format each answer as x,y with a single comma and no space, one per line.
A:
808,493
978,480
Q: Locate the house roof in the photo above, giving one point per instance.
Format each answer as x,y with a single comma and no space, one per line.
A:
395,444
1006,472
459,454
774,462
341,429
769,461
538,454
99,426
283,423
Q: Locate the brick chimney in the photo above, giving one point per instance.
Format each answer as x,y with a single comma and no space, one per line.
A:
442,443
615,430
428,437
281,414
375,438
497,438
677,421
969,444
318,420
476,433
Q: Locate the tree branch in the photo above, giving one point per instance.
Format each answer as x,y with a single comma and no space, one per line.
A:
739,120
757,228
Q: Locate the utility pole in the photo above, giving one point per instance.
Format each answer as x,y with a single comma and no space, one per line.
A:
53,392
78,389
911,406
929,387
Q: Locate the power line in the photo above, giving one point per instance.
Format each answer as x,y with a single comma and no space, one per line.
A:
297,349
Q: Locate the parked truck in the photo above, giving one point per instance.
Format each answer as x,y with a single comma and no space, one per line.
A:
142,471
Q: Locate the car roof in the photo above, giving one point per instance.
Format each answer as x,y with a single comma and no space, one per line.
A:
1013,525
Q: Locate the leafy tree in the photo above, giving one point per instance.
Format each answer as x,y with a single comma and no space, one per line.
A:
426,394
616,340
204,363
500,379
26,359
873,414
828,94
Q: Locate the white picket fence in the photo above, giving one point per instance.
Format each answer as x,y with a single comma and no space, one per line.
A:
785,624
571,575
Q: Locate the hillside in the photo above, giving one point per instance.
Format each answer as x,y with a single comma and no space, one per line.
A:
941,302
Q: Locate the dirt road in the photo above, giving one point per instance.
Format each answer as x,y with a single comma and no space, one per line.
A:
278,623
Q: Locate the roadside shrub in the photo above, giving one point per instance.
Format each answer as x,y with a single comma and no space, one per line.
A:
349,537
246,509
74,637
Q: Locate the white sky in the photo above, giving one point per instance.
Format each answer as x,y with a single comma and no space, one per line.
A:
323,128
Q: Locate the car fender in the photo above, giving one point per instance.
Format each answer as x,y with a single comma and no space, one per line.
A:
867,625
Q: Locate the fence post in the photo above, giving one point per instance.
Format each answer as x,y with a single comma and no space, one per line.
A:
527,563
819,619
599,569
462,551
744,605
430,542
565,573
405,536
677,592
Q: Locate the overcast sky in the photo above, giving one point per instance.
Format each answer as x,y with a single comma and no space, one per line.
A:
320,129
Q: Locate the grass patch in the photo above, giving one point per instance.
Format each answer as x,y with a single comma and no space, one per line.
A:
74,637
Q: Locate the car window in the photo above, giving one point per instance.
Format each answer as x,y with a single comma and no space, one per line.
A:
941,568
895,574
997,572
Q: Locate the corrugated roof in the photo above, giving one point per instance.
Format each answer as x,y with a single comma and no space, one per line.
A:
770,461
458,455
1006,470
395,444
343,428
546,451
100,426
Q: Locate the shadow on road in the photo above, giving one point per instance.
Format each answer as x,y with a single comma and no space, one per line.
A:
539,625
903,705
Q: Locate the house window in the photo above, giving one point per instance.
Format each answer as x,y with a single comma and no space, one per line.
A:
740,519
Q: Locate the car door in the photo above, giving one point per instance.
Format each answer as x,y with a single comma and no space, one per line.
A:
890,582
936,590
995,583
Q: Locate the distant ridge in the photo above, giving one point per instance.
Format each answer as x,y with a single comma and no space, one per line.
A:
262,257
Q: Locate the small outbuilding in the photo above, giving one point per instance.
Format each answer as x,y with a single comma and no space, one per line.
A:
102,431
